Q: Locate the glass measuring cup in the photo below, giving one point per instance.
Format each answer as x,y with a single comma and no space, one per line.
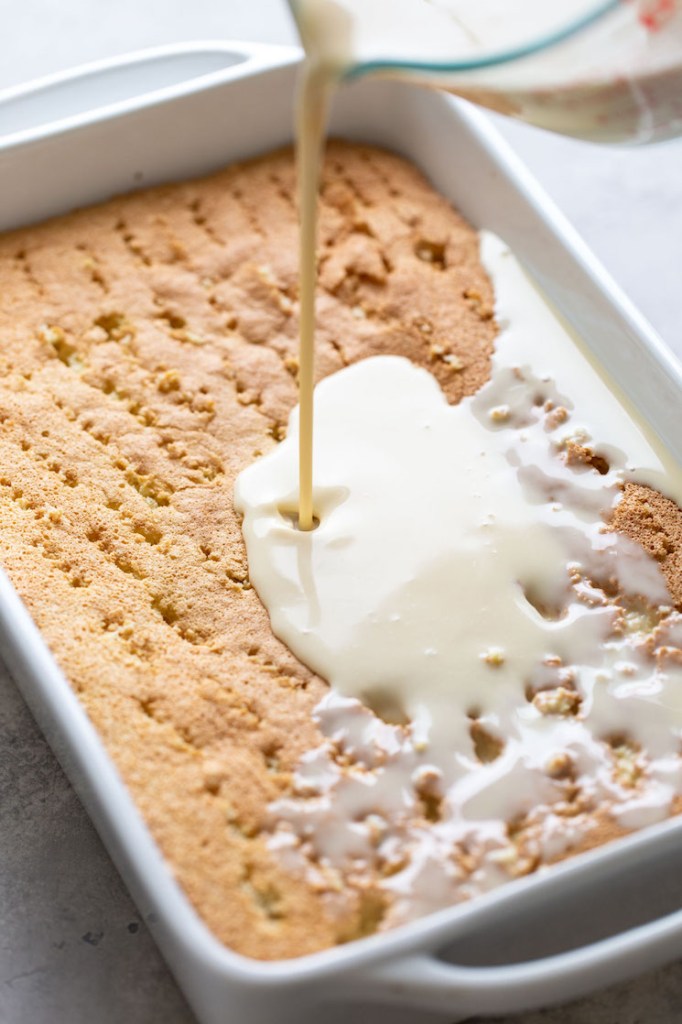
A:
606,70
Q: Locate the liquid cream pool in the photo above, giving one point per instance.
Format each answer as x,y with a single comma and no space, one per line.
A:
460,583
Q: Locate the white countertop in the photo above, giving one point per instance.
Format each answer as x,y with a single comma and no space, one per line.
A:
72,947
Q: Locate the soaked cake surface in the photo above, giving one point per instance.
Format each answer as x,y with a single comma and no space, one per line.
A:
465,584
148,357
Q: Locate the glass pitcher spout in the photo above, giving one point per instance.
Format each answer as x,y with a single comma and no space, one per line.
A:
607,71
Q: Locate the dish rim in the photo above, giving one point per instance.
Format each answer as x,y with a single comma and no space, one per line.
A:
26,648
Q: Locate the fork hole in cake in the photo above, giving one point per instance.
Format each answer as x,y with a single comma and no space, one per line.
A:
551,611
386,705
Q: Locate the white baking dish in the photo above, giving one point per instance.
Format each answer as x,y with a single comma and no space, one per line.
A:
162,115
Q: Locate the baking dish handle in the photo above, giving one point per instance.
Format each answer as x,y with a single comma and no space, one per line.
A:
119,85
425,982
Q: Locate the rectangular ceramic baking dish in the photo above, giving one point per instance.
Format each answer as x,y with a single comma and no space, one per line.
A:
167,114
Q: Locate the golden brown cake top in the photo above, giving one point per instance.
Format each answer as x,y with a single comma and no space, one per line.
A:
148,355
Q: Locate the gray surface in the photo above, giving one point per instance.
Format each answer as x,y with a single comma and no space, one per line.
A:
69,949
72,945
656,998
